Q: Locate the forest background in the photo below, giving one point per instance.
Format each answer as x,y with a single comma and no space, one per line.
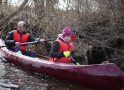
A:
97,24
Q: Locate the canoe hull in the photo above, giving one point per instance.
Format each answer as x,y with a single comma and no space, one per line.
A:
103,76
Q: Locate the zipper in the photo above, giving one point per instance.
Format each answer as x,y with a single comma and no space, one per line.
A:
20,37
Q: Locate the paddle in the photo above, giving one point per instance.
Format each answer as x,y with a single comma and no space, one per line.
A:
73,37
34,42
73,60
2,46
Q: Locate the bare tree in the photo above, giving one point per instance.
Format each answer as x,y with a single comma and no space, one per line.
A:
7,18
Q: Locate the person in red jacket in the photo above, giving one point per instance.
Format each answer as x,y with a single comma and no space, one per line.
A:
62,47
16,37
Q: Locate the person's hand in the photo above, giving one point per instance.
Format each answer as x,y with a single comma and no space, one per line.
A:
17,43
41,40
66,53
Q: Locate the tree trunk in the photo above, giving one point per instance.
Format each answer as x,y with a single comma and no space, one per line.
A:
11,15
0,2
6,2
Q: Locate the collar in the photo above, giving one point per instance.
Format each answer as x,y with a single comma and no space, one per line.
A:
61,38
22,32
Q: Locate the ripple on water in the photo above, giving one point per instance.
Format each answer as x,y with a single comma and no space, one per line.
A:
12,75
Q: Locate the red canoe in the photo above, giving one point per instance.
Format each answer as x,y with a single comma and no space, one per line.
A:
102,76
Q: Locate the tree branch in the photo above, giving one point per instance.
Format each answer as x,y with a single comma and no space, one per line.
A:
103,44
11,15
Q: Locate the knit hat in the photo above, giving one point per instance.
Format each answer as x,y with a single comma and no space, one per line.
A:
66,32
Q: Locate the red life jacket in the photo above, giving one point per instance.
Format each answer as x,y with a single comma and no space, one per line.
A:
20,38
63,47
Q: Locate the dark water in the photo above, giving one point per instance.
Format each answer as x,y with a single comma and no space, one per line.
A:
16,78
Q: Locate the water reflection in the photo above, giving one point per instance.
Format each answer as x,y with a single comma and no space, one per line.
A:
27,80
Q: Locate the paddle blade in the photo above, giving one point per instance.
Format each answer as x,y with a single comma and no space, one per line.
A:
73,37
77,63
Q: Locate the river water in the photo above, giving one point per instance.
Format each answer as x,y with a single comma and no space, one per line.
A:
16,78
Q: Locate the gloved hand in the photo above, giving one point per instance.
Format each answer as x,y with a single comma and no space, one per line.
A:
66,53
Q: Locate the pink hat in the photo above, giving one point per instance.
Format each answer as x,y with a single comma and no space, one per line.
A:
66,32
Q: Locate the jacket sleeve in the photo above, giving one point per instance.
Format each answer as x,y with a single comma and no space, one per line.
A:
31,38
54,51
9,39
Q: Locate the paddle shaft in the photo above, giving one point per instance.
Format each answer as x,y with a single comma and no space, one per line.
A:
73,60
2,46
34,42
